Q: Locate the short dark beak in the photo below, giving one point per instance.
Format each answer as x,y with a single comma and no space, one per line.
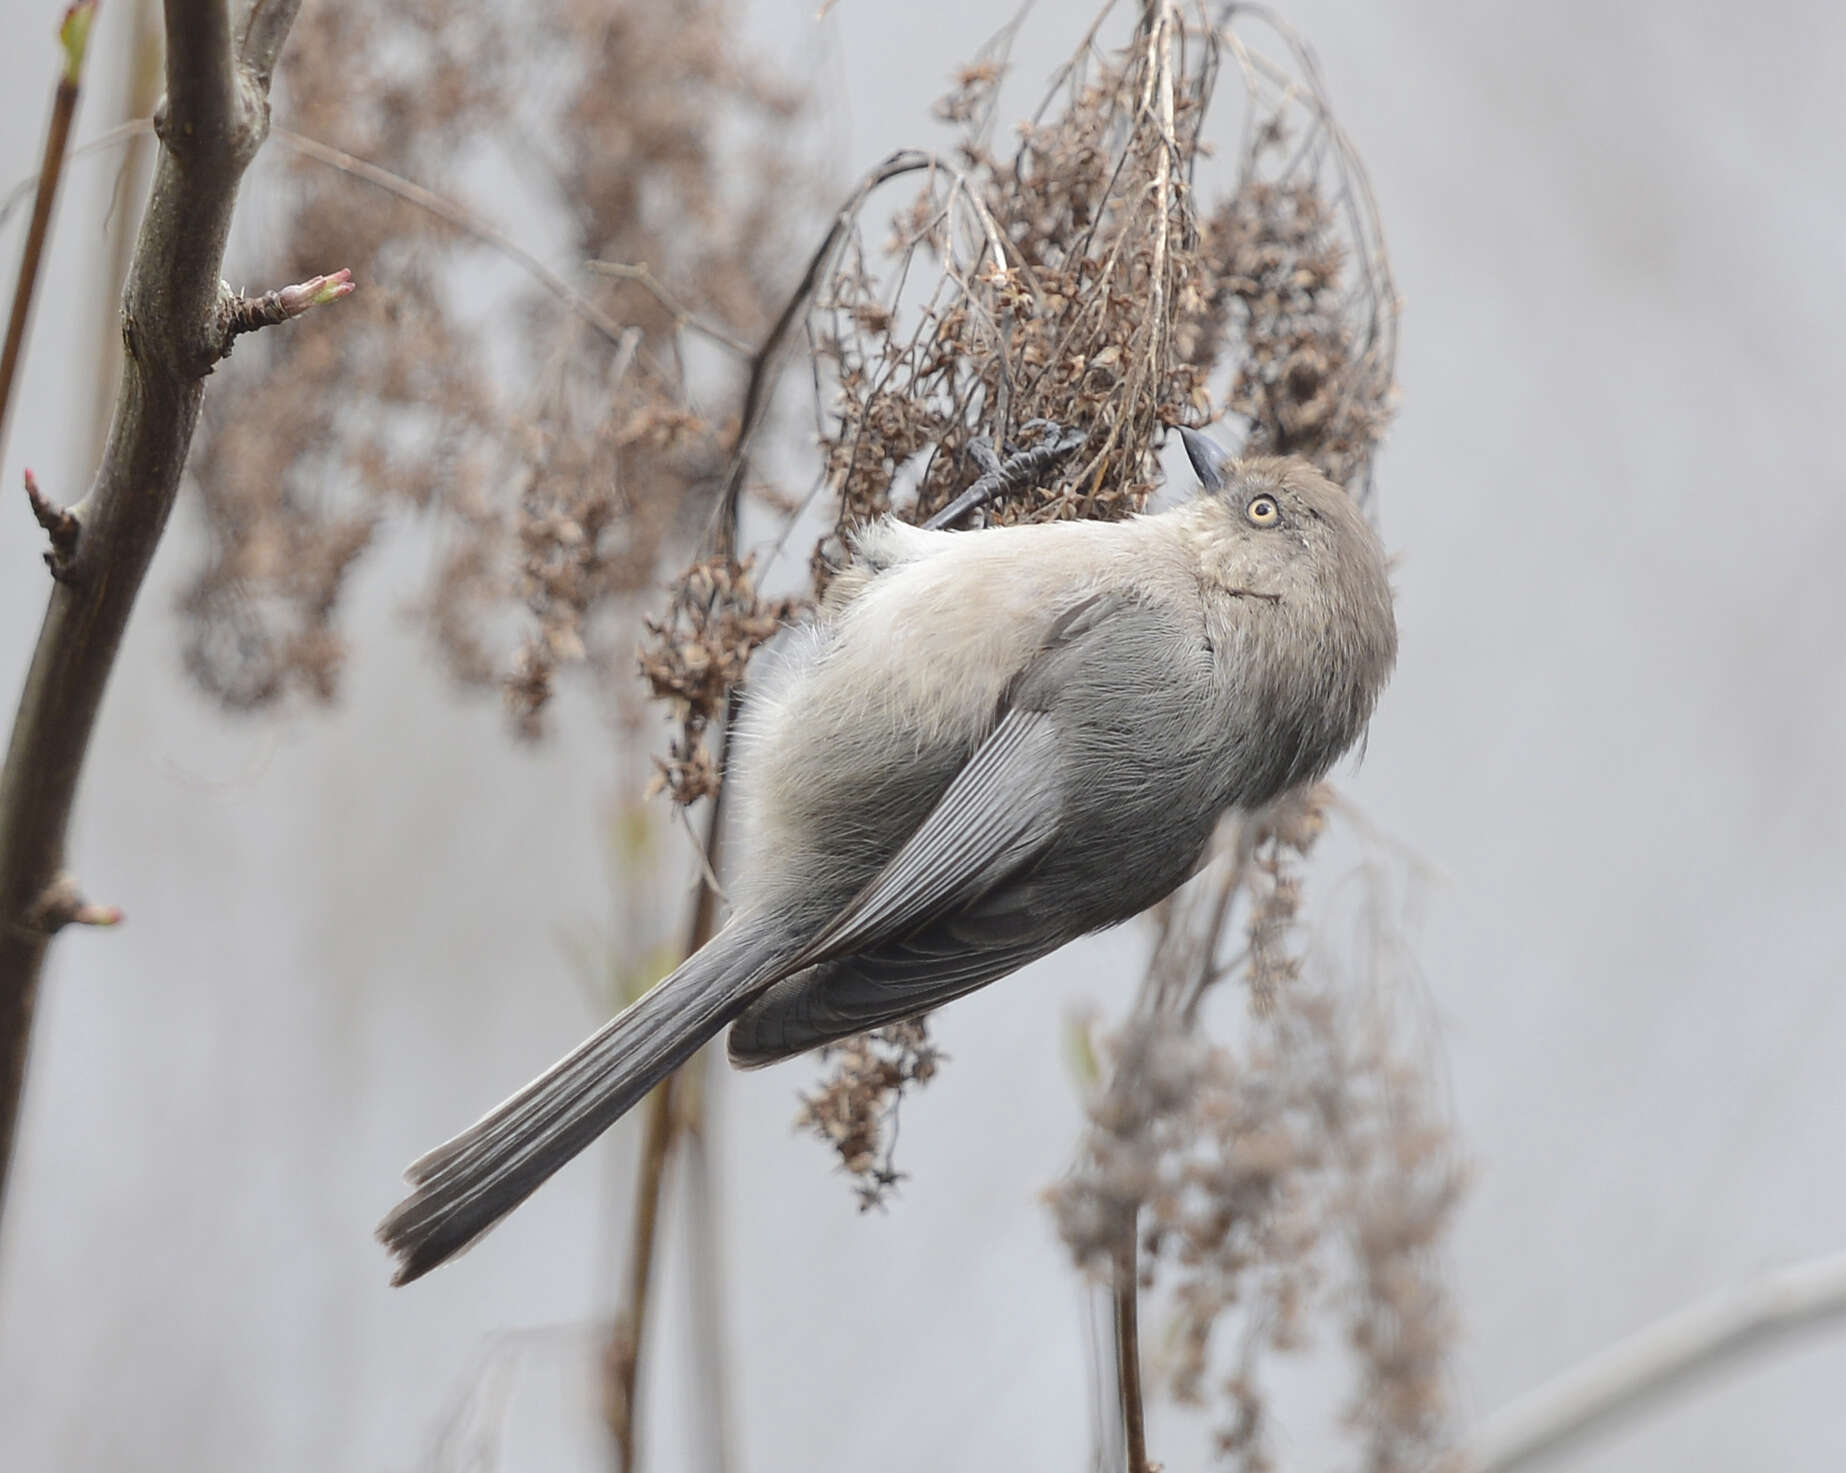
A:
1208,458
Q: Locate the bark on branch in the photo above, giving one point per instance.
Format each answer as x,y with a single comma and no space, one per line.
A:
178,320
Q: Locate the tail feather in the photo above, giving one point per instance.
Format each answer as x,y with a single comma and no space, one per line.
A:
466,1185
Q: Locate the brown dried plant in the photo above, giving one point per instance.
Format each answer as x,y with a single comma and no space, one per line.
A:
564,441
1078,280
1298,1173
854,1110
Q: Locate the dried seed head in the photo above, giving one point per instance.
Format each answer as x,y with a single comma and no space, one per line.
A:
556,450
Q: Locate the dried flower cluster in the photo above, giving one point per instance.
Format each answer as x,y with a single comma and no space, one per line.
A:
854,1110
695,658
1276,842
1306,383
1301,1171
1077,280
555,437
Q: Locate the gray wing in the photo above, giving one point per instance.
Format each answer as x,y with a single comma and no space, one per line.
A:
899,980
900,947
969,897
998,813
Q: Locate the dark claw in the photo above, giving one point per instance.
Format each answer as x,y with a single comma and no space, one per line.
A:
984,457
1047,430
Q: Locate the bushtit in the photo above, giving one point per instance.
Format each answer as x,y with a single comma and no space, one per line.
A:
986,744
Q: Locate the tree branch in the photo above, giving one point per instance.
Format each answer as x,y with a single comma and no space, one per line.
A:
201,110
1633,1372
757,389
174,328
265,27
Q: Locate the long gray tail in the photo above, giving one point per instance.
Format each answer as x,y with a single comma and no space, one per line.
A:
468,1184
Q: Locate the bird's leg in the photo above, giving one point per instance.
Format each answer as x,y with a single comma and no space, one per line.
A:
1018,470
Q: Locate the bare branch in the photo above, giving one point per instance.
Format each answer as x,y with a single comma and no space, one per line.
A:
101,143
265,27
213,121
763,365
1633,1372
201,112
699,1169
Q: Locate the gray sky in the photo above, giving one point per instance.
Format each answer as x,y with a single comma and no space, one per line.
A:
1615,735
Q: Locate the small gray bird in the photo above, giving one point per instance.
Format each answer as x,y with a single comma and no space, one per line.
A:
986,744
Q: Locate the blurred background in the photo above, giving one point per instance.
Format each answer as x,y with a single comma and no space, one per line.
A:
1615,740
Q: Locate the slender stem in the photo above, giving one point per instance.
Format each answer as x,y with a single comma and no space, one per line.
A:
439,206
763,367
625,1357
1128,1350
1653,1361
139,87
682,315
708,1299
658,1131
51,170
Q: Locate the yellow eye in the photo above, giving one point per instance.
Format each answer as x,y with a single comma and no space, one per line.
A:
1262,511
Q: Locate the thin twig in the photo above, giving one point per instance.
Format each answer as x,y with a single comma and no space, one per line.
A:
73,36
241,314
619,1401
682,315
460,217
451,212
137,127
664,1119
1633,1372
1128,1350
763,364
61,527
